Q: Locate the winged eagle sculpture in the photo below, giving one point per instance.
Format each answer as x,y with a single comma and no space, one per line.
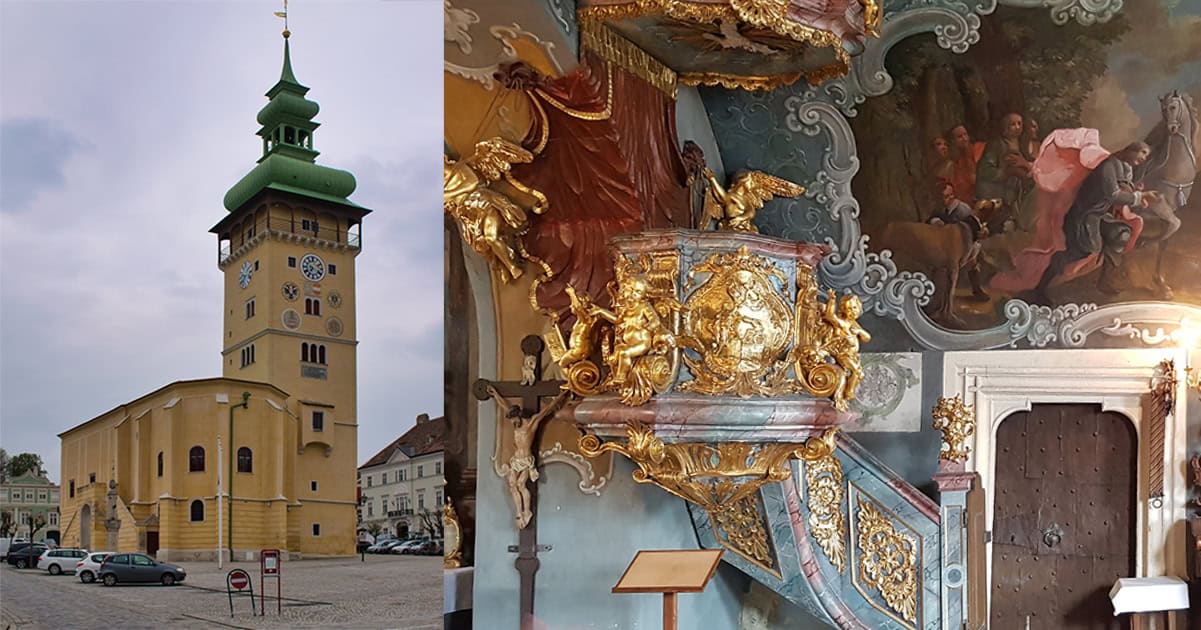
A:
734,208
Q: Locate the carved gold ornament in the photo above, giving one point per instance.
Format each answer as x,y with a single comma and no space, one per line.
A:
957,421
735,208
453,535
823,332
621,52
823,482
636,339
767,14
887,560
713,476
739,325
742,528
489,221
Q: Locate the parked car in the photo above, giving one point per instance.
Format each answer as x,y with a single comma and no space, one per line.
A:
88,568
387,546
25,555
407,547
135,567
58,560
427,548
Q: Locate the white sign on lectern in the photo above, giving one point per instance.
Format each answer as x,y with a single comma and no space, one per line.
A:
1150,594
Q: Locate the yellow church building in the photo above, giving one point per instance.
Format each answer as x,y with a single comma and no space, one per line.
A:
265,456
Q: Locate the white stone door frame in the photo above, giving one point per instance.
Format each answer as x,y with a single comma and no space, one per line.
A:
1000,383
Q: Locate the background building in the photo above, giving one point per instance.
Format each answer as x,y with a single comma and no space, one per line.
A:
26,500
402,485
279,428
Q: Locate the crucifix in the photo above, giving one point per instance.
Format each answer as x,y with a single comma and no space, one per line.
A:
526,418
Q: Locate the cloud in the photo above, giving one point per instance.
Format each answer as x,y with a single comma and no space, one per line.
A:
33,152
1157,45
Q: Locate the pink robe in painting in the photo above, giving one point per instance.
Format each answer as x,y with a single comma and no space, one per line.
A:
1065,159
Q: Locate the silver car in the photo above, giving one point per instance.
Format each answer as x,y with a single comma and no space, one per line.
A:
88,568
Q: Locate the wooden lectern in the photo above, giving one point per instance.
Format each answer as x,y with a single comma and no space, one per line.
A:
669,572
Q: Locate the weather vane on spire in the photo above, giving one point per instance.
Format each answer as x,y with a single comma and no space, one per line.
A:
284,14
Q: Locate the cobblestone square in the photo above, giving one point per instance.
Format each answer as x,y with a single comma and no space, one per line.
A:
381,592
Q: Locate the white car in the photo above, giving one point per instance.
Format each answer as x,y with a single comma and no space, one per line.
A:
58,560
88,568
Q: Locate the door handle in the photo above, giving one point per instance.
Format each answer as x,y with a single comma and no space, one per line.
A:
1053,535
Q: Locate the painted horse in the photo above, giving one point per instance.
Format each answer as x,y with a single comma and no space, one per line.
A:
1171,170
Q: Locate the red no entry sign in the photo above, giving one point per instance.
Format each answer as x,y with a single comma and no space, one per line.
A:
239,580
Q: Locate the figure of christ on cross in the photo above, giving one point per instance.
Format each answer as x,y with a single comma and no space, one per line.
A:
522,467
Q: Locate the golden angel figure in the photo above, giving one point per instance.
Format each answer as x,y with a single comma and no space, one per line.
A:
843,341
734,209
491,222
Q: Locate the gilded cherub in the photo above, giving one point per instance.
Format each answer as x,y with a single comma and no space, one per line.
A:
491,222
872,14
574,356
734,209
845,334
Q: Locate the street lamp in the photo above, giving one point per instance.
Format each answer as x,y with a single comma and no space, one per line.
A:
245,404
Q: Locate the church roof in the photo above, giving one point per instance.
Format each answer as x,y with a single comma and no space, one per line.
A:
424,438
288,162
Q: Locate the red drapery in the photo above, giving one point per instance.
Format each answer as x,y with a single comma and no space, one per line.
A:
620,173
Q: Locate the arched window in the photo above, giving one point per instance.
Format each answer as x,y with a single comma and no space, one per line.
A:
304,352
197,510
312,306
160,463
245,460
321,354
196,459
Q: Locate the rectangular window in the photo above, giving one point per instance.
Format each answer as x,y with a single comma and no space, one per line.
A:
318,420
370,509
383,478
402,474
91,477
249,308
438,496
437,468
368,481
420,471
29,494
291,262
421,500
313,486
42,496
71,489
256,265
316,529
54,519
305,224
333,269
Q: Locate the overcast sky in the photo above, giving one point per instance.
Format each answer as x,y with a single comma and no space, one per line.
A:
122,125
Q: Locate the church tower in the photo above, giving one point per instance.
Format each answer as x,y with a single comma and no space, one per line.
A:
288,249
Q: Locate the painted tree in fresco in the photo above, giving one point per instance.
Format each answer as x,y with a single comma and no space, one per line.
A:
1023,63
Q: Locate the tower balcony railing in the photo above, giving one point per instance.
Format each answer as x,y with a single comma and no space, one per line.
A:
305,227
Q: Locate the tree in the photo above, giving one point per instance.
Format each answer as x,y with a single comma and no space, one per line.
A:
431,522
4,464
25,462
373,528
38,523
7,527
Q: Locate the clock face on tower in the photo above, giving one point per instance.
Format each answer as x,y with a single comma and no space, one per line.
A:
312,267
244,274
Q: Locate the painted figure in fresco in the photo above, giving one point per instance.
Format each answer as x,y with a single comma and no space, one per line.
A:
1003,171
842,317
964,155
942,167
1092,225
523,468
955,211
1171,171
